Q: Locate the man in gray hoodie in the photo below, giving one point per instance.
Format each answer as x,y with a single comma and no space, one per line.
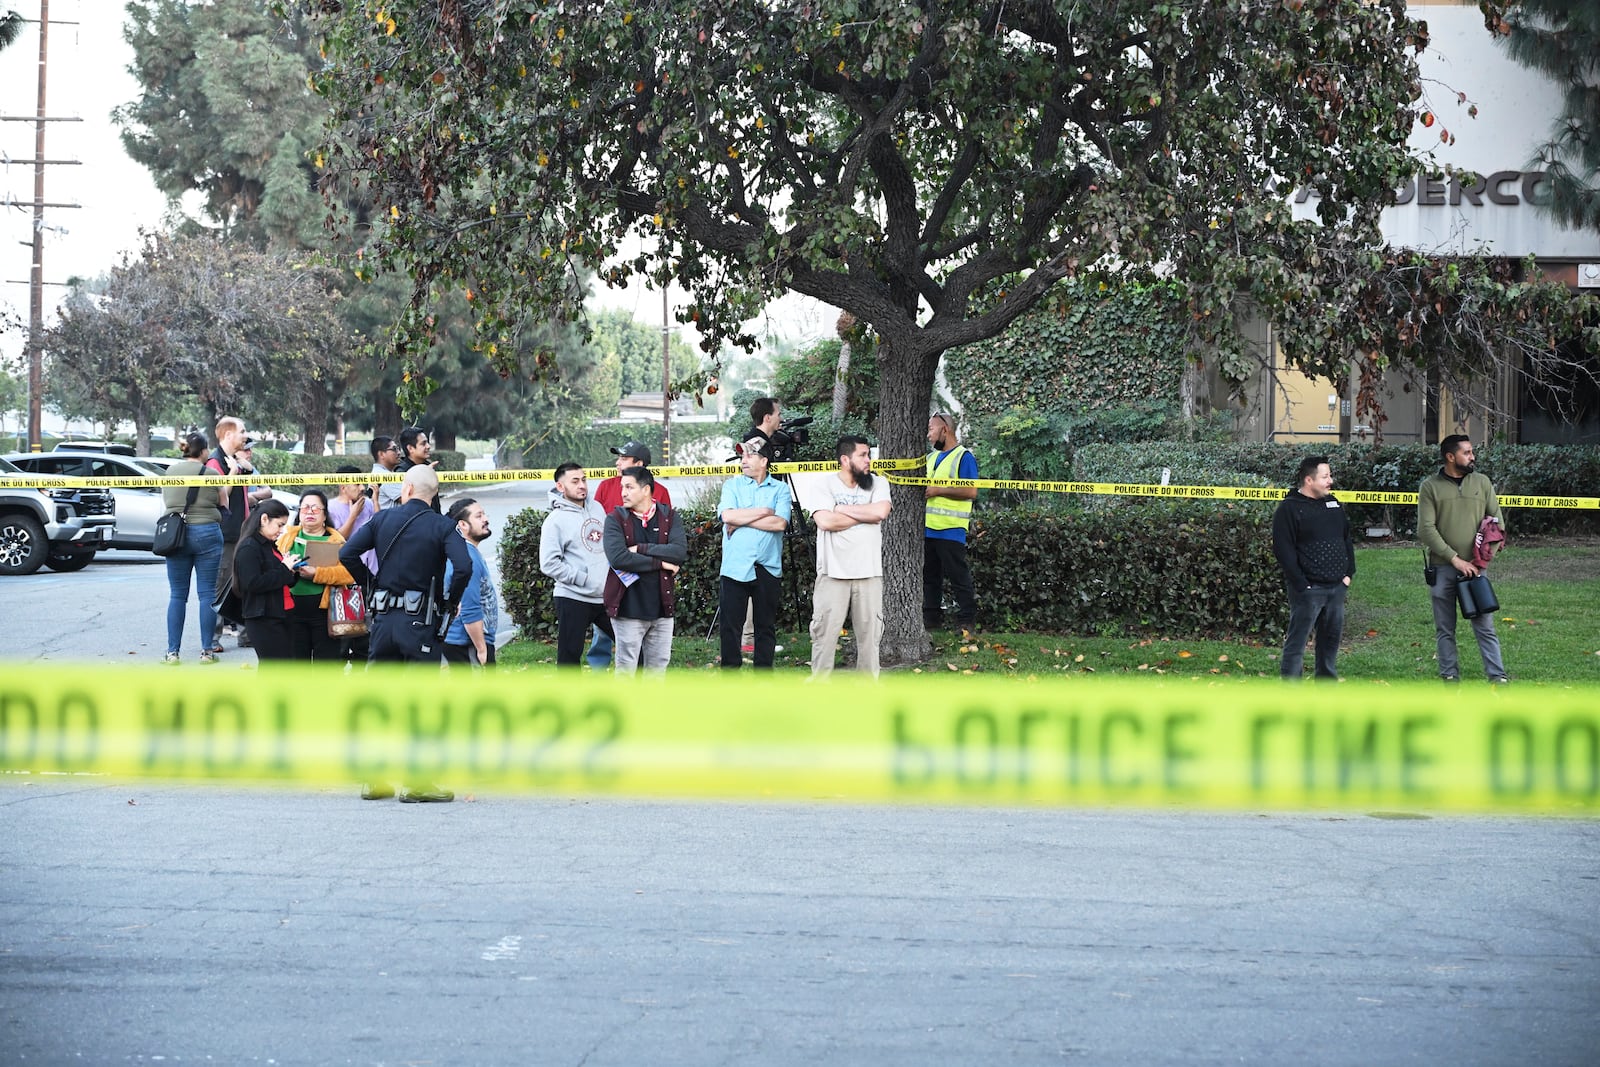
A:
572,551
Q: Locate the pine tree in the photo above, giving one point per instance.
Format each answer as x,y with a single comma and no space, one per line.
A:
1561,38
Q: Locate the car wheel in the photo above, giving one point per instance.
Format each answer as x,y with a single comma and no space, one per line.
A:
69,561
22,545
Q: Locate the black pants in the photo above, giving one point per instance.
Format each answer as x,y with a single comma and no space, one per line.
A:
466,654
733,601
397,637
269,636
943,559
573,619
308,632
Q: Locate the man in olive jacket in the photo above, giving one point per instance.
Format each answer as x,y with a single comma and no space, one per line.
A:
1450,507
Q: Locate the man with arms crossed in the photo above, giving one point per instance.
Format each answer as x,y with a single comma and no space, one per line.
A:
1450,507
645,546
850,560
754,512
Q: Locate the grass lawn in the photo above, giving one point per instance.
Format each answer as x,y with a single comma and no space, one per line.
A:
1547,633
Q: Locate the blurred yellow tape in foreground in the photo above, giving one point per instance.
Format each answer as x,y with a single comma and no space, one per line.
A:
1239,745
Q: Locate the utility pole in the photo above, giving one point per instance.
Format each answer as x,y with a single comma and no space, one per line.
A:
666,382
36,276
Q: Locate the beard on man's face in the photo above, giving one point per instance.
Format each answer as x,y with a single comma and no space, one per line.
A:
864,479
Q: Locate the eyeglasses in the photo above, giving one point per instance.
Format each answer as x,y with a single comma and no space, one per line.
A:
310,507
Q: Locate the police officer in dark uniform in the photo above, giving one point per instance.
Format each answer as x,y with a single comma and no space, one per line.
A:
410,607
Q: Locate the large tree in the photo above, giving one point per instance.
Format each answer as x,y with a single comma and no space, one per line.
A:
931,168
224,111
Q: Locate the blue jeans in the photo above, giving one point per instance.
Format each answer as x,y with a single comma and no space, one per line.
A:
600,649
1322,607
202,554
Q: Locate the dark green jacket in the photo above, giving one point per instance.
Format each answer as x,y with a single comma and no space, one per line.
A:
1448,514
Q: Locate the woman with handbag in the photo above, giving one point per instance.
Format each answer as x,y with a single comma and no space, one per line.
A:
200,514
263,578
308,621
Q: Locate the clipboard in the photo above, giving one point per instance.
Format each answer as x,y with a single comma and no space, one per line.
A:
322,553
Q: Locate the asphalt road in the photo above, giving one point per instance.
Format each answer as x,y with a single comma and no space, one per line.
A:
145,923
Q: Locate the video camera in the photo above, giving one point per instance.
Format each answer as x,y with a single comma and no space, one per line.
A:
790,434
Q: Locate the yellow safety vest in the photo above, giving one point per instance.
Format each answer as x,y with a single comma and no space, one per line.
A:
942,513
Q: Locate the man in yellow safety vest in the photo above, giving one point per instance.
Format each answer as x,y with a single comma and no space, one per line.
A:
948,513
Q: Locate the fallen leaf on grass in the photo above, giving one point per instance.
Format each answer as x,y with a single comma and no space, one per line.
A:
1078,658
1222,658
1185,654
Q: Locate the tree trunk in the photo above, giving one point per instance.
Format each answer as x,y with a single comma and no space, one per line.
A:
314,423
141,431
840,374
906,385
444,439
386,415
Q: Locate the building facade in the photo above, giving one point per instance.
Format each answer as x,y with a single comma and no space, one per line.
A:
1442,215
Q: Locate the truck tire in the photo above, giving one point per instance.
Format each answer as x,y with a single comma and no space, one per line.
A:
23,548
69,561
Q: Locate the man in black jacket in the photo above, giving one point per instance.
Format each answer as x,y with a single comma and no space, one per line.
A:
1312,540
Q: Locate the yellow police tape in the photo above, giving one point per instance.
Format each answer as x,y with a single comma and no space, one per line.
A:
493,477
894,470
1225,492
1079,742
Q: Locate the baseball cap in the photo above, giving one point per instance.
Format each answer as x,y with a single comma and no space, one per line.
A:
757,445
634,450
249,442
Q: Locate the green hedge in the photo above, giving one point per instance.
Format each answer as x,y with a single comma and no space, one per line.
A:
1189,568
1532,470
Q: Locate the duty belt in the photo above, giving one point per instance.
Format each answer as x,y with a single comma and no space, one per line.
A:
411,601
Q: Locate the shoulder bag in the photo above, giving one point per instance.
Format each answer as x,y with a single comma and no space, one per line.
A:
172,529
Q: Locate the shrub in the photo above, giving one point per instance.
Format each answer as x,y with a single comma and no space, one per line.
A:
1532,470
1178,567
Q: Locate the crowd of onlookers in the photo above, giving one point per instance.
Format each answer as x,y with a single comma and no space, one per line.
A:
283,583
269,578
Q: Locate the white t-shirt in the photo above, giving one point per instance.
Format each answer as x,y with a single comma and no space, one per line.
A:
858,551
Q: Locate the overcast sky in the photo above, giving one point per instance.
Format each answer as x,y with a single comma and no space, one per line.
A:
87,76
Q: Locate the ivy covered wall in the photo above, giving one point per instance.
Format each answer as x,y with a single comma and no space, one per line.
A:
1085,347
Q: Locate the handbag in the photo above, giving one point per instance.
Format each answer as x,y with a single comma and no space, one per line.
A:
172,529
1476,596
347,611
226,602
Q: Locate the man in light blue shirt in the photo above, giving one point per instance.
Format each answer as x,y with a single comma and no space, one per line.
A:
470,638
754,511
